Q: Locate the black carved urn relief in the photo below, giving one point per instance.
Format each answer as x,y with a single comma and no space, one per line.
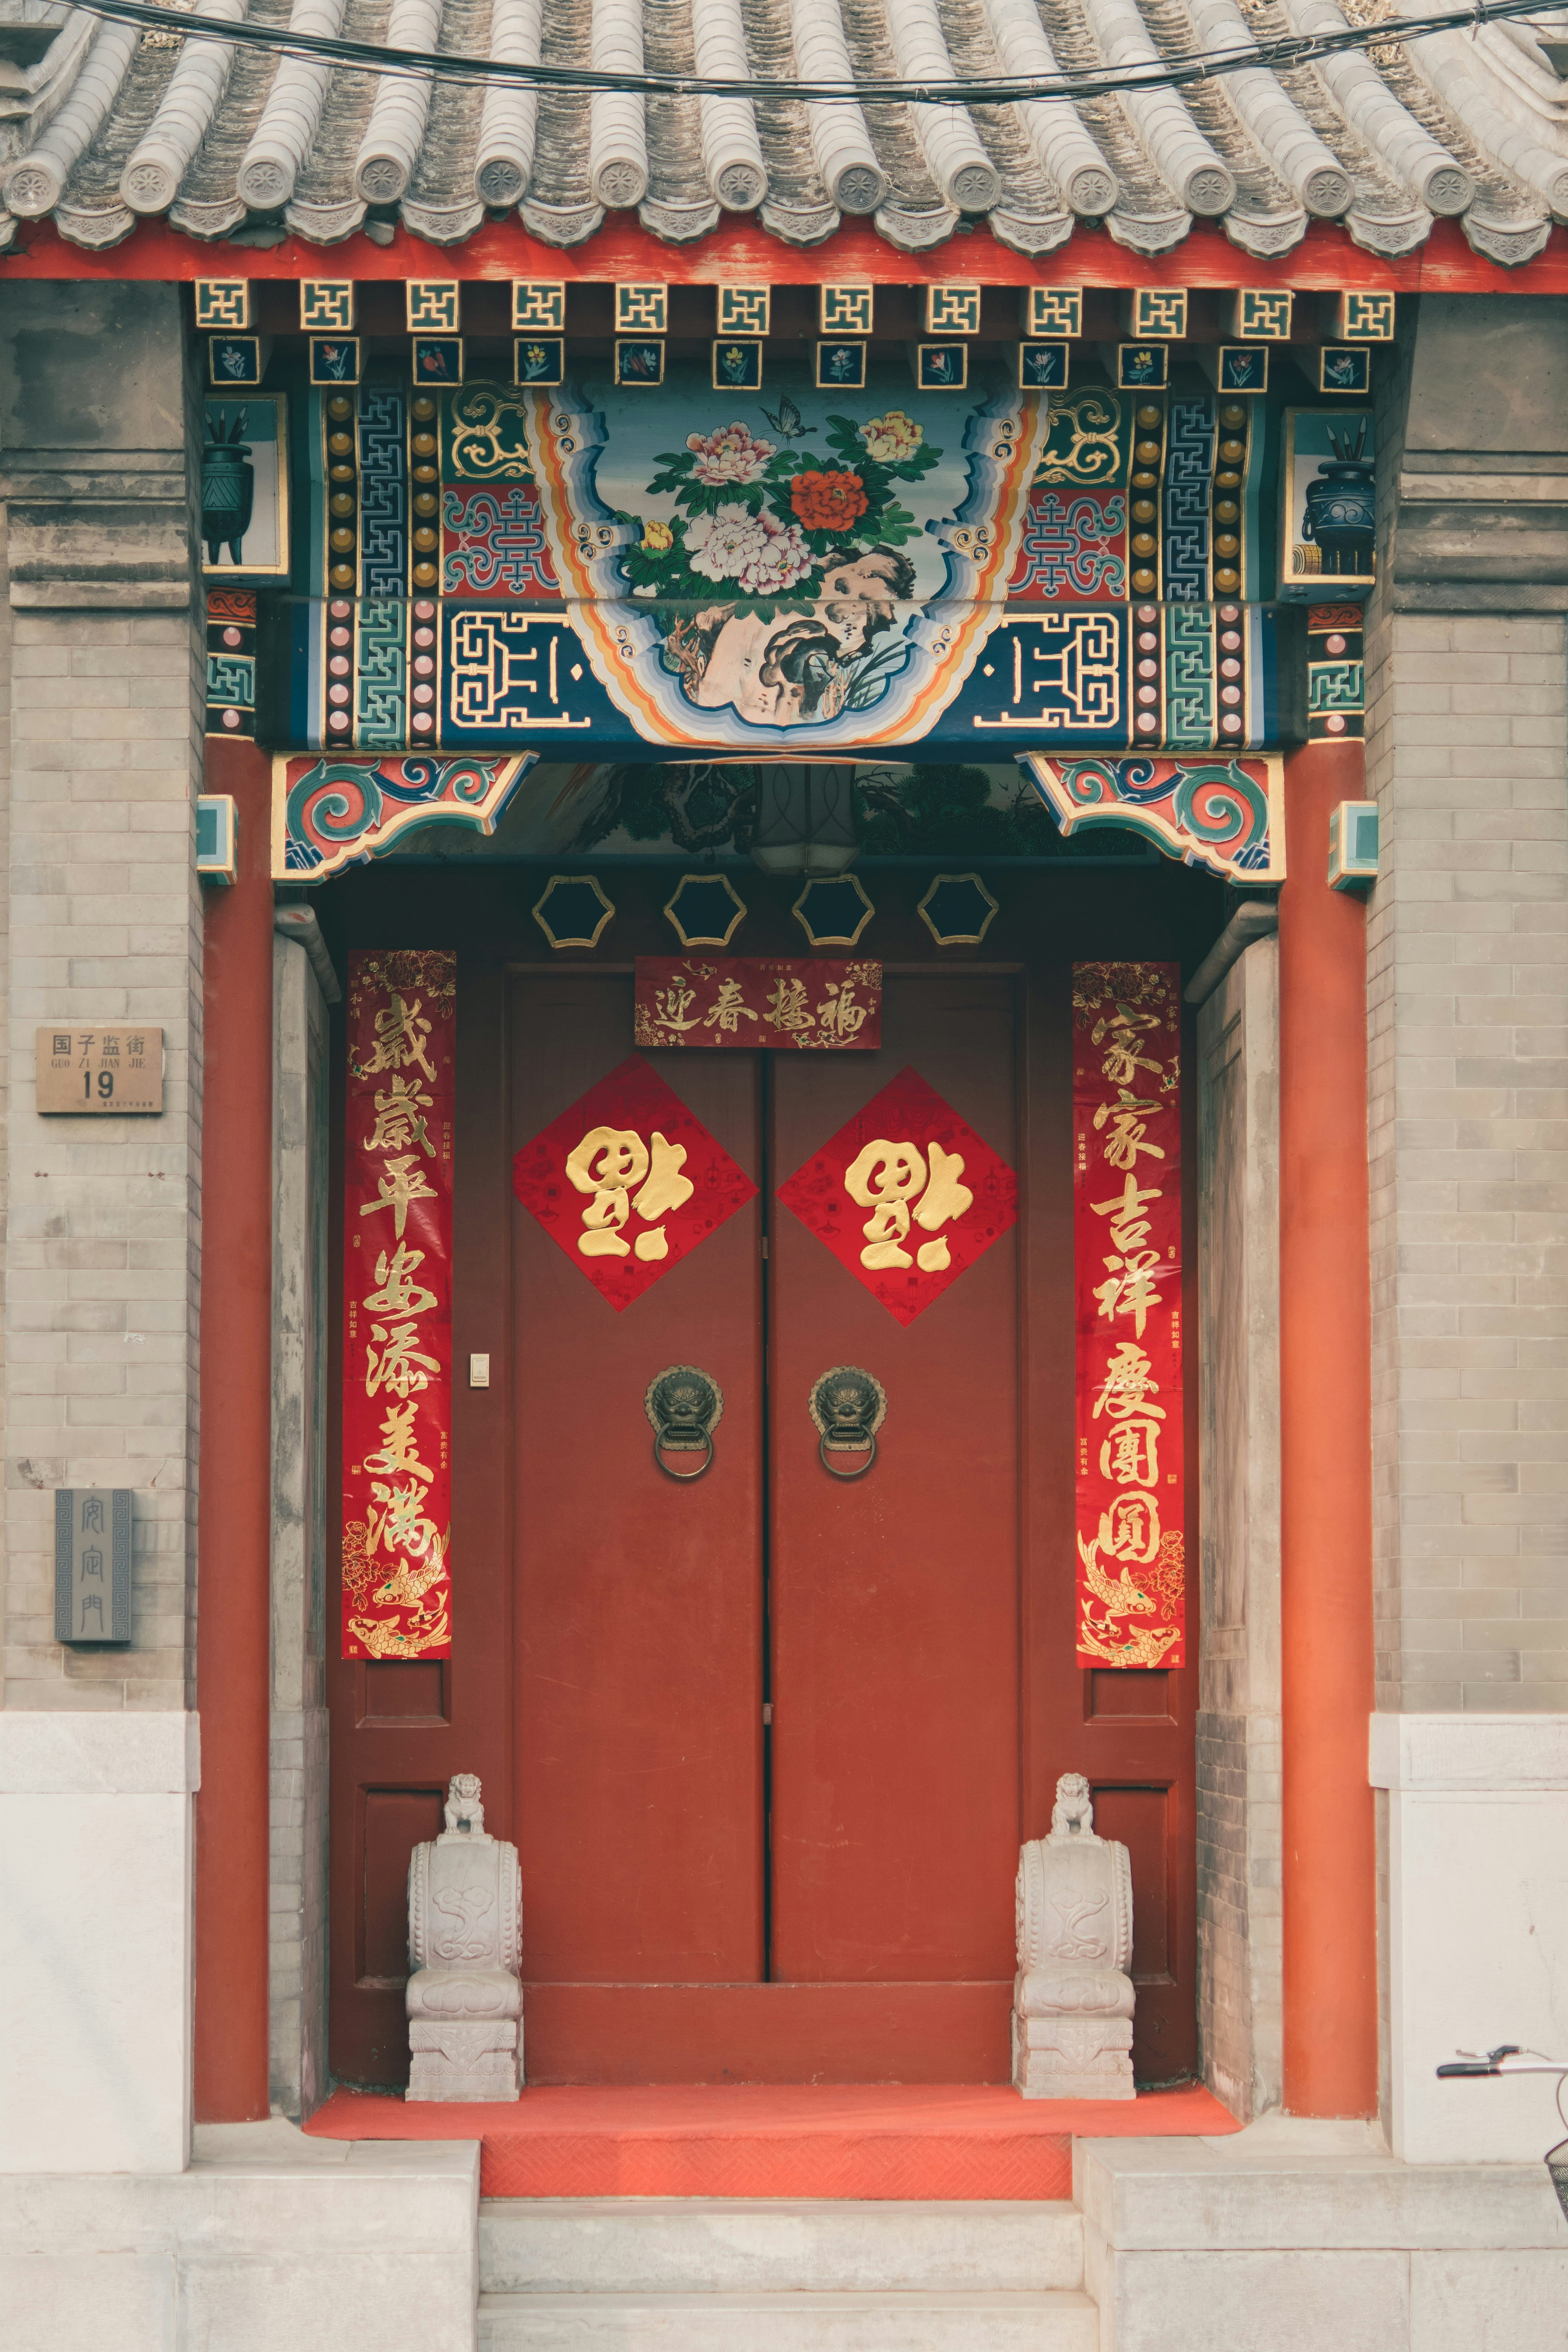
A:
1342,507
228,484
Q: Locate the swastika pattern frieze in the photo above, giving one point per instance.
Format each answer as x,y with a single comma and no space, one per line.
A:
222,302
952,310
538,306
383,492
844,310
433,306
326,306
381,704
744,310
1189,473
642,309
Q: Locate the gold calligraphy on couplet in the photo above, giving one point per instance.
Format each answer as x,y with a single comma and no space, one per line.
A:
773,1002
397,1355
1127,1223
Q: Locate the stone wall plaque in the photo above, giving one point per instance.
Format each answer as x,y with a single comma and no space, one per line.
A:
92,1564
82,1067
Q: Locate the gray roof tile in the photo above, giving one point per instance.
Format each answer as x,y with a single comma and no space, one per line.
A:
111,125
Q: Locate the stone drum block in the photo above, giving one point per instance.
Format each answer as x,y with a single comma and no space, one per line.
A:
465,1940
1072,2000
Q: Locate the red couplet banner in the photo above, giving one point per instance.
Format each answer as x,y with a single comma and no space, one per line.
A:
397,1305
1127,1237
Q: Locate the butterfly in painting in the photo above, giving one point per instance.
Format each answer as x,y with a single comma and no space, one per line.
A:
787,423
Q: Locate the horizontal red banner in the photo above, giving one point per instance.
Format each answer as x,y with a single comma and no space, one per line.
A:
771,1001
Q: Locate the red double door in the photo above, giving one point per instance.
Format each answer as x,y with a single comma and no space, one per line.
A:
767,1741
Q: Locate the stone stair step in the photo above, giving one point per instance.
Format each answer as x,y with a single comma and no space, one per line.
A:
703,2245
1005,2320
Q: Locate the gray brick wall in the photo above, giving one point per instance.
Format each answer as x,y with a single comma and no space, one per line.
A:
1237,1730
103,741
1468,983
1468,1025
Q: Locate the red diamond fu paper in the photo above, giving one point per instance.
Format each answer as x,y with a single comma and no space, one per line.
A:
628,1181
905,1196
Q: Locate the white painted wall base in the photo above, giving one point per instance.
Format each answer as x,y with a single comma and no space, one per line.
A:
269,2242
1478,1925
95,1936
1307,2237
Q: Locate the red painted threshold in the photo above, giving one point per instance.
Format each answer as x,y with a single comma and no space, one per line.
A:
786,2139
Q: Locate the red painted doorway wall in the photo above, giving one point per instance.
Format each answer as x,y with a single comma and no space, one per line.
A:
710,1895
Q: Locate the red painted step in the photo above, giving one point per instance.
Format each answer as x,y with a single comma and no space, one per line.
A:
788,2139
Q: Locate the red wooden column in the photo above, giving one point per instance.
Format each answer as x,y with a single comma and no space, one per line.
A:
234,1518
1325,1366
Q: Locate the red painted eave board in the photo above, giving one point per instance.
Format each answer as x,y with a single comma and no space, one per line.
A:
1326,260
854,2140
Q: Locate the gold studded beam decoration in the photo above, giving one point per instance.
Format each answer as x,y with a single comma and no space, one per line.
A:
397,1305
1127,1228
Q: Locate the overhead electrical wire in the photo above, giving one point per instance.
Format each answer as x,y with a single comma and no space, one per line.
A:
958,89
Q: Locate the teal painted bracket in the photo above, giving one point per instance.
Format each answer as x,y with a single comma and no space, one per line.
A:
1352,844
217,837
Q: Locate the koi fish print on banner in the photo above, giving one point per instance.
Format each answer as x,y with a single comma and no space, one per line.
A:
397,1305
1127,1229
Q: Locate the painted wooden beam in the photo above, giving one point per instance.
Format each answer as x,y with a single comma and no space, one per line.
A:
1326,260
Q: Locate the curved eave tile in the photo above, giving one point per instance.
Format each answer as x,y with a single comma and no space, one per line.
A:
1405,126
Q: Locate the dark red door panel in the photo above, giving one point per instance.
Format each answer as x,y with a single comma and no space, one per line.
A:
895,1599
638,1600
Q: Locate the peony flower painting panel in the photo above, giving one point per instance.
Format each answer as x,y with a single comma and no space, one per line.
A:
774,568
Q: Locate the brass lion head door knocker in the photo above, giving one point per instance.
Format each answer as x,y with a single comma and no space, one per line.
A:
847,1407
685,1407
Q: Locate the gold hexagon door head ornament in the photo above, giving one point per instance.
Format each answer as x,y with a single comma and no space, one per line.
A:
574,922
704,911
967,914
826,910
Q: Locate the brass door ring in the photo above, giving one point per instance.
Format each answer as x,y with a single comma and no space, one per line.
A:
682,1477
685,1407
847,1407
871,1456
